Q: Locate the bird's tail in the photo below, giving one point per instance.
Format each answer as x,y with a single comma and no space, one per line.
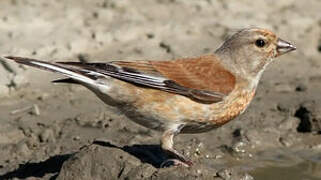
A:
75,75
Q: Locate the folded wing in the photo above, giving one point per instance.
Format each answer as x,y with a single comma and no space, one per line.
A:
202,79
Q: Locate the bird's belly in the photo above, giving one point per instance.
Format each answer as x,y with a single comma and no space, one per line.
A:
153,118
162,110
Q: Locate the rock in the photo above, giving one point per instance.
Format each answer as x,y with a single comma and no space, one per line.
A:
23,149
35,110
47,136
111,162
102,162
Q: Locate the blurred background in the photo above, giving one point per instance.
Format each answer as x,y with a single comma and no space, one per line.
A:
44,127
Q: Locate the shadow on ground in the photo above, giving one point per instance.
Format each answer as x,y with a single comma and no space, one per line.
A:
40,169
151,154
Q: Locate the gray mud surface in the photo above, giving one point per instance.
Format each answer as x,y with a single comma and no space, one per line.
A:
52,131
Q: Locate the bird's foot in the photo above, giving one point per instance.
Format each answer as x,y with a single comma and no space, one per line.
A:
175,162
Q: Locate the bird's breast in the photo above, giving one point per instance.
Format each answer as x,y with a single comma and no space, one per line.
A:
221,113
234,105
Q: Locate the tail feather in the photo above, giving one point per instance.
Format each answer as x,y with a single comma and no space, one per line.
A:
73,73
65,80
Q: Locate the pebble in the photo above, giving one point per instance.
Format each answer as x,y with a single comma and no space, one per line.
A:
239,147
283,88
43,97
47,136
301,88
76,138
23,149
35,110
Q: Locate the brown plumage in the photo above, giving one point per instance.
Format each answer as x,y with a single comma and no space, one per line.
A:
188,95
204,73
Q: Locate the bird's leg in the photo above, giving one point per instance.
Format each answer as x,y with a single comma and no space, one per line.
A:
167,145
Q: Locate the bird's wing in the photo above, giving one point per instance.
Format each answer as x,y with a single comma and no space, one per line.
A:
202,79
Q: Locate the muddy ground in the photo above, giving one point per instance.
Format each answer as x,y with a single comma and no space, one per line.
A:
52,131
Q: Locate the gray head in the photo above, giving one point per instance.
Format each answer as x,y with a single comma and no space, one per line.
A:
248,51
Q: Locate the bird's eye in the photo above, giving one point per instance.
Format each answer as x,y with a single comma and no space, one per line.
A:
260,43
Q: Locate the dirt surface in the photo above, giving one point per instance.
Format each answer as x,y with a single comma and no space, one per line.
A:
64,132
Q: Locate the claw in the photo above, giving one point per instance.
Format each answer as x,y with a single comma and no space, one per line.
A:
175,162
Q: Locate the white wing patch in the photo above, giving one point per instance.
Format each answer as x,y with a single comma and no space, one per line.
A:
64,71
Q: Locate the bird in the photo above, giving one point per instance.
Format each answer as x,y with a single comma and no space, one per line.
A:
184,95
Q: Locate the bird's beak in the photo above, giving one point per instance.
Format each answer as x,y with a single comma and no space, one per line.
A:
284,47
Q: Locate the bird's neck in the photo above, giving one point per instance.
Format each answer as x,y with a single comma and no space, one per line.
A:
246,71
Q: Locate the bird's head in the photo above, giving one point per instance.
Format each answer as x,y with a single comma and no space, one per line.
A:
250,50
